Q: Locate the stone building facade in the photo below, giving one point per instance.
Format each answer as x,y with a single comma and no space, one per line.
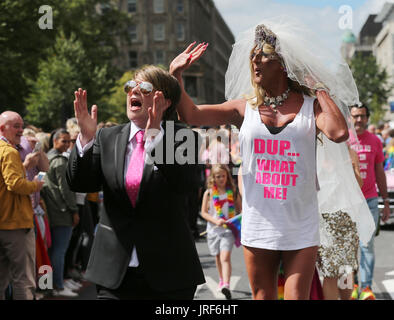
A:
162,29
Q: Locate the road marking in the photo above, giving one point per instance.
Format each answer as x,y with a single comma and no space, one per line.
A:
389,285
390,273
213,286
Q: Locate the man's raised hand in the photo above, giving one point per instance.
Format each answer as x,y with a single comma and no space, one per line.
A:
160,105
87,122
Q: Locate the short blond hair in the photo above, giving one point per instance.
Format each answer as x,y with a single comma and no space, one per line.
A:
162,81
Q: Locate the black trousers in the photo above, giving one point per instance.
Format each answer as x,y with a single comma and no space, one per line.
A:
135,287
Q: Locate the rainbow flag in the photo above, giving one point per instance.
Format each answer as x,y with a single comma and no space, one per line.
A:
235,226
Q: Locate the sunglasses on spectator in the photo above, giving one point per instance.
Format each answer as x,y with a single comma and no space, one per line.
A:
145,87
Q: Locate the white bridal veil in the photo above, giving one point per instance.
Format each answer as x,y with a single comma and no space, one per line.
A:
310,62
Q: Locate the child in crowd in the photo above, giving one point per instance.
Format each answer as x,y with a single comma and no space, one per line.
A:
220,203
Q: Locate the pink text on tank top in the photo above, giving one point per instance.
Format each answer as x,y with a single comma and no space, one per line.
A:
276,175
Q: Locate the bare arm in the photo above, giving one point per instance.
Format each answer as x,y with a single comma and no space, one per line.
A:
329,118
356,166
240,182
238,203
382,186
209,115
204,210
43,162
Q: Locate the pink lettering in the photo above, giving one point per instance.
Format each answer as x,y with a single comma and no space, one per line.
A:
284,167
294,176
284,145
275,165
258,177
263,164
285,179
259,146
269,192
275,193
278,193
275,179
292,164
266,178
272,146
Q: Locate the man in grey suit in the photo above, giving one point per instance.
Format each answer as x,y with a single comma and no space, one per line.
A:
143,248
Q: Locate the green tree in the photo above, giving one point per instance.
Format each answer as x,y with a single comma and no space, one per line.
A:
22,45
99,25
50,102
373,84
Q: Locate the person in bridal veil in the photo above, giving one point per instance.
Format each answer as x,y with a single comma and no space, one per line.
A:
283,88
344,218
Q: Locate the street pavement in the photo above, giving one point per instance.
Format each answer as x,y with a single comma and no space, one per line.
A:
383,284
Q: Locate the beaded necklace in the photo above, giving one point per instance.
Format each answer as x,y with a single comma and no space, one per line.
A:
218,204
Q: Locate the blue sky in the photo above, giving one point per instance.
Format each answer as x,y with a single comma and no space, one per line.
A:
322,16
324,3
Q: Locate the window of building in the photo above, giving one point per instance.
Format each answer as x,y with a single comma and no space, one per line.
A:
180,31
179,6
133,59
133,32
159,32
132,5
158,6
160,57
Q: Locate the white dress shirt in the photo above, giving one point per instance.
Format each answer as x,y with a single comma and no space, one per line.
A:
150,144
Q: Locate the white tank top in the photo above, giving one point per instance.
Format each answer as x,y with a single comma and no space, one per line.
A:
279,204
213,229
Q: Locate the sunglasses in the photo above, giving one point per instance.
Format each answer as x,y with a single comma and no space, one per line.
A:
261,54
145,87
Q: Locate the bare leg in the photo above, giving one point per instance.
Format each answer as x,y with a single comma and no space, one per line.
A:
346,294
225,259
330,288
219,266
262,267
299,267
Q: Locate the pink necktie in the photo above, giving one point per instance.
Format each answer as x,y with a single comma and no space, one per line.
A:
135,169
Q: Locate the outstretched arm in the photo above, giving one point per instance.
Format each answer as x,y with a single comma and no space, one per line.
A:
329,119
209,115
